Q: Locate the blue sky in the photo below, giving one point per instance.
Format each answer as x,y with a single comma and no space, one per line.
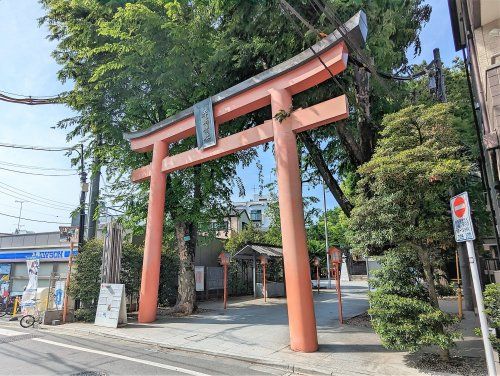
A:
26,67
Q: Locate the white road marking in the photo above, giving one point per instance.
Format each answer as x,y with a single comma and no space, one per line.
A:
123,357
10,333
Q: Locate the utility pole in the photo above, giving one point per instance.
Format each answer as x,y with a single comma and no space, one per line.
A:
438,66
19,218
84,189
436,77
94,197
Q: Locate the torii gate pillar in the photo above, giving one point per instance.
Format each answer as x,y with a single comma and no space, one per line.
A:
301,318
150,279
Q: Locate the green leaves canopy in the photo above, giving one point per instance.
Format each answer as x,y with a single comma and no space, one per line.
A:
402,196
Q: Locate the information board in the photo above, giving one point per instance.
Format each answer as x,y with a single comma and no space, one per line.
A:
199,276
462,221
111,307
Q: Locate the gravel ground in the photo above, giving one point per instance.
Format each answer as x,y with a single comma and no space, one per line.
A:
362,320
433,365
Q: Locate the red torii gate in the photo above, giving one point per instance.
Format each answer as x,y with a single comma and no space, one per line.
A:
276,87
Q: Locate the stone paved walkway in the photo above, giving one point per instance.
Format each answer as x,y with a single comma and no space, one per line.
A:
258,332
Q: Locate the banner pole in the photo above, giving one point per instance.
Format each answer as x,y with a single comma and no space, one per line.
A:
68,280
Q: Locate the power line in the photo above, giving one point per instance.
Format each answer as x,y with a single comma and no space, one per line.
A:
40,148
35,173
32,211
33,220
34,167
30,100
26,193
32,200
31,96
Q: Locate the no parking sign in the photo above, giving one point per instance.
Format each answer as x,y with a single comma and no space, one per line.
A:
462,221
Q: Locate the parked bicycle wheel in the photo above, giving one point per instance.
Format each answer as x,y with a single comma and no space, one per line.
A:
27,321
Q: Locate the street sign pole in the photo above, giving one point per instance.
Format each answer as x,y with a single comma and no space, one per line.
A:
480,308
464,232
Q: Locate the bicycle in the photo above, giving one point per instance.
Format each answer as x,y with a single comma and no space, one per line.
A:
30,320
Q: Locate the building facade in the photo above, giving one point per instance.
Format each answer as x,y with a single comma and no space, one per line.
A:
15,249
257,210
476,30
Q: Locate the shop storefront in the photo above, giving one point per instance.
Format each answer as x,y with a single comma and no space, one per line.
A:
16,249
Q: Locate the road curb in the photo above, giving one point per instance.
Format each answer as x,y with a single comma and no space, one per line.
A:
286,367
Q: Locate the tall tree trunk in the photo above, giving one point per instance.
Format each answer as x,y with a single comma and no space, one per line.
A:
425,259
366,132
349,143
325,173
186,292
186,234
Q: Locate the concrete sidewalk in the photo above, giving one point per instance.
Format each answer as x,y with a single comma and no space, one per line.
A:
258,332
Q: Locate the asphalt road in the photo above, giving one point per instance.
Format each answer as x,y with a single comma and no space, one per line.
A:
37,352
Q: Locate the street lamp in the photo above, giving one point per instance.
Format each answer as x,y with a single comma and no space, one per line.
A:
264,261
317,263
336,259
224,260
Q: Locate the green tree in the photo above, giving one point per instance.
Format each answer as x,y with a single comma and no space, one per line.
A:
136,62
402,313
86,276
87,272
492,309
250,234
402,197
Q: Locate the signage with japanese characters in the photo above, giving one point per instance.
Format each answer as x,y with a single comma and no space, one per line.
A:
205,125
111,307
462,221
42,254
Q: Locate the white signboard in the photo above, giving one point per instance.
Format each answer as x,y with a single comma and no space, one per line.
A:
68,234
462,221
111,307
59,294
28,299
199,276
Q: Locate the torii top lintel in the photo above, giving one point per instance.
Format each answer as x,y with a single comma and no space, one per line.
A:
295,75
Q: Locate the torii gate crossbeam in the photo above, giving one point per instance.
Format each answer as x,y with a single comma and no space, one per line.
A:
274,87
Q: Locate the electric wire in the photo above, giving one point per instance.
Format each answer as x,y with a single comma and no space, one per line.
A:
35,203
298,31
35,173
40,148
30,210
26,193
38,199
30,100
362,60
30,96
34,167
33,220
